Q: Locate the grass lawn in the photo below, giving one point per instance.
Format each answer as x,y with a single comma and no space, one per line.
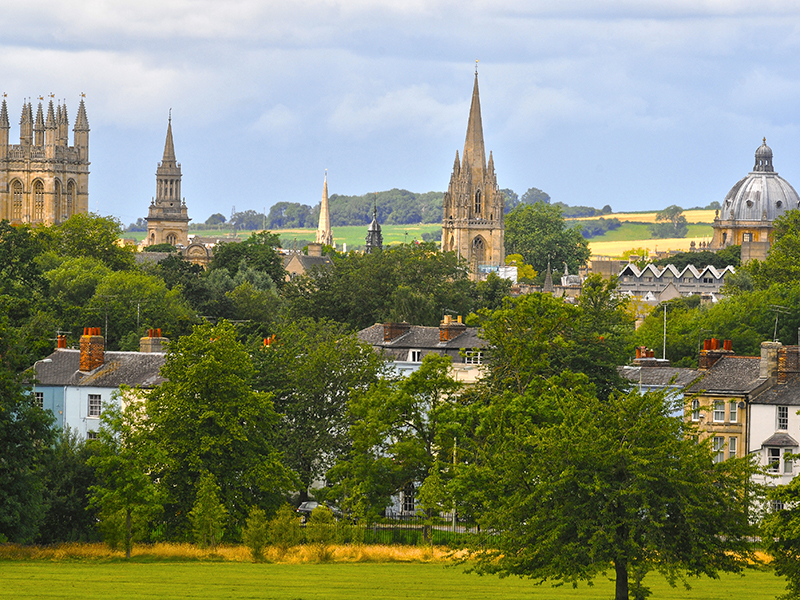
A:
641,231
387,581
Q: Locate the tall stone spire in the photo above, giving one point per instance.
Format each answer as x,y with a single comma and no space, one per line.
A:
168,219
38,128
474,153
324,234
169,146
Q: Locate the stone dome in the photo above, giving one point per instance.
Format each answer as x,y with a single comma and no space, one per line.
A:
762,195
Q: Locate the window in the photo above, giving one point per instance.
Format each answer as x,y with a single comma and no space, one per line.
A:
783,417
776,505
719,411
473,357
38,201
16,212
719,449
732,447
773,459
94,405
415,356
91,435
788,463
732,417
695,410
746,237
408,498
39,397
478,202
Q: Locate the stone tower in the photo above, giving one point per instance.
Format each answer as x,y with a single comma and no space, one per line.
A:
168,221
374,236
324,234
473,223
43,179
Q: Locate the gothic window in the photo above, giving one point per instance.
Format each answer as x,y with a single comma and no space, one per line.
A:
478,202
38,201
16,209
171,239
69,205
57,201
478,251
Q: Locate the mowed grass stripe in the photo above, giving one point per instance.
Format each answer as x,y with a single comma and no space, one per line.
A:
120,580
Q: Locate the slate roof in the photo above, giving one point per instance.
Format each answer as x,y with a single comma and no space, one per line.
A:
422,338
308,261
120,368
730,375
660,376
785,394
784,440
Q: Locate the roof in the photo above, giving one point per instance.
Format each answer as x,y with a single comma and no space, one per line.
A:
783,440
787,393
689,270
660,376
141,369
307,261
419,337
730,375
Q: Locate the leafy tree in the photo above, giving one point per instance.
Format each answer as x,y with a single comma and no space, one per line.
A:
259,251
512,199
489,293
401,429
206,417
248,220
539,233
255,534
321,530
165,247
67,479
286,215
125,497
91,236
215,219
284,529
311,370
413,282
616,484
140,225
535,196
670,223
21,280
782,264
25,436
524,272
208,515
780,535
727,256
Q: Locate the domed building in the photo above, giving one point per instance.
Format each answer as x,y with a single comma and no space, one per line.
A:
751,206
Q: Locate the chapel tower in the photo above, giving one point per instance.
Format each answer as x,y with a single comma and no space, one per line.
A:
324,234
168,220
43,179
473,206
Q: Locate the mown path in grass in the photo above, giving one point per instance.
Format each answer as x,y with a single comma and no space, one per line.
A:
132,580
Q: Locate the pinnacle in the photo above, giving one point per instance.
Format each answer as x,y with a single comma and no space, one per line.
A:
39,118
51,117
4,116
474,142
169,147
81,122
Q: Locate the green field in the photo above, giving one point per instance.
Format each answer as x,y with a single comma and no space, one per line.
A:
641,231
165,580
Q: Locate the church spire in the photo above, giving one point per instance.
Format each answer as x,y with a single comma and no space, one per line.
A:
473,147
169,146
324,235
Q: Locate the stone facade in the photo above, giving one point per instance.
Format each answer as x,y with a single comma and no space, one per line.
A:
473,207
168,220
43,179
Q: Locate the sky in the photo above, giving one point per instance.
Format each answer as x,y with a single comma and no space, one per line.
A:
634,104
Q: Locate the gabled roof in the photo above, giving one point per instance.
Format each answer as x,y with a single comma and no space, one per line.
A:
784,440
652,270
787,393
730,375
422,338
120,368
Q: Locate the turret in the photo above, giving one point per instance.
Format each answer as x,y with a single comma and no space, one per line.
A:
26,125
38,128
5,126
50,132
81,132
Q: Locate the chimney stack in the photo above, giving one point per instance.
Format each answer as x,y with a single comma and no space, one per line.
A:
392,331
712,352
153,342
769,359
93,348
61,341
314,249
449,329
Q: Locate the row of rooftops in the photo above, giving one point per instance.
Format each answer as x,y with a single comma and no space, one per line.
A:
652,270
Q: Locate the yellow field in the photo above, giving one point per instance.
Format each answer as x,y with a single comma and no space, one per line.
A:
692,216
615,249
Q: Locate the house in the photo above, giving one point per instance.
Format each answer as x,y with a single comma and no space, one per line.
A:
648,373
74,384
297,263
667,283
749,404
406,345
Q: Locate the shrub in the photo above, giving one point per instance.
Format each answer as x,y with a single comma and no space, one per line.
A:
255,534
284,529
321,531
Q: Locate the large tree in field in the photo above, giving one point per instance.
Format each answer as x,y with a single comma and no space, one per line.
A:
207,418
259,251
616,485
402,431
539,233
311,369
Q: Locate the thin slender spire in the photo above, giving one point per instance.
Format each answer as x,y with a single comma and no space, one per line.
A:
39,119
473,146
169,146
324,235
51,117
548,279
81,122
4,123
